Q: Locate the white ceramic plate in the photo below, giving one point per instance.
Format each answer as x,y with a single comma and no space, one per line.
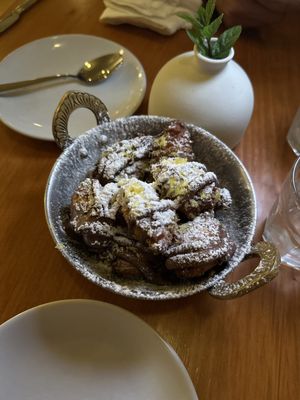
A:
84,349
30,111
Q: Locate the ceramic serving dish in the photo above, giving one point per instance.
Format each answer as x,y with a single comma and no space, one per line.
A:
80,155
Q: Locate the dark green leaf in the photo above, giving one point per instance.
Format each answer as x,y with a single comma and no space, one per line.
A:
197,35
202,48
201,31
217,52
192,36
209,30
192,20
201,16
221,47
187,17
209,10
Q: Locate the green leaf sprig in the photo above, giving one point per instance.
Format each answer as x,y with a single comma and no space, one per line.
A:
203,29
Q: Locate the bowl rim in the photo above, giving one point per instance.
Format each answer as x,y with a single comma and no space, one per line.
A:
115,287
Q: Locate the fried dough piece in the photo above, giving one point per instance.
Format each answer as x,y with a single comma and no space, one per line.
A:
136,262
151,220
190,185
199,245
209,198
176,178
174,141
93,212
124,159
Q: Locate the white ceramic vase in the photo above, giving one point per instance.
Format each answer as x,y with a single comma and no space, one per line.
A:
216,95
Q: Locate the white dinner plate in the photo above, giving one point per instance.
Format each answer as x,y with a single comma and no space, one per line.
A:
85,349
30,111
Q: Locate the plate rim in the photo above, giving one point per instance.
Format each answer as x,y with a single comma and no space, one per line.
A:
172,354
73,35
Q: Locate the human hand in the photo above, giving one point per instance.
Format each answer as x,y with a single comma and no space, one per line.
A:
252,13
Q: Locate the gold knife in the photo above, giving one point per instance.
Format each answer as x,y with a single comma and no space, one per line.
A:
14,15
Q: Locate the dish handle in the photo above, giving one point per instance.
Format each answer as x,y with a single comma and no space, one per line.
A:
266,270
70,102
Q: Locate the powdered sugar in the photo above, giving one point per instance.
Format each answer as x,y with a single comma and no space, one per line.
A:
105,201
91,202
175,141
197,242
152,210
97,228
176,177
225,197
138,199
123,154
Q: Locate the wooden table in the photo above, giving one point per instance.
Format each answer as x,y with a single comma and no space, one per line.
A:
241,349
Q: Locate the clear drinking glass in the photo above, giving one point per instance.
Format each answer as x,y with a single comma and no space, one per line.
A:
293,136
282,226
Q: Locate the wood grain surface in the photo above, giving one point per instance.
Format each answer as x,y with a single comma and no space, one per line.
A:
6,6
247,348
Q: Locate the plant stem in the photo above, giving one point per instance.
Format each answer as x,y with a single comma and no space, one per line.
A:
209,47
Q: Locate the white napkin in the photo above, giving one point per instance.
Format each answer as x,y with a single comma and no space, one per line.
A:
158,15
